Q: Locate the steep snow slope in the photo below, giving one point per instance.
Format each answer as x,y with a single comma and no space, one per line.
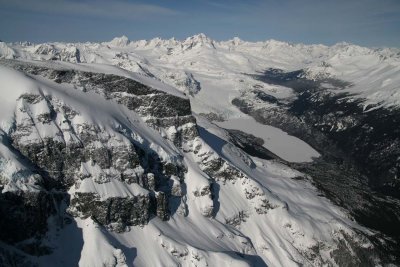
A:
133,186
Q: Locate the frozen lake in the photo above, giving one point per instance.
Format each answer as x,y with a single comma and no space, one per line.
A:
285,146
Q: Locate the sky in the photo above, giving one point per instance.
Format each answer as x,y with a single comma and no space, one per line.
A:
370,23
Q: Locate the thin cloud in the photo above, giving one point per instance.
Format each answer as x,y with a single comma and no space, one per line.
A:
367,22
104,9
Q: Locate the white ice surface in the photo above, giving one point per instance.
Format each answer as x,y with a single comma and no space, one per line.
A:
285,146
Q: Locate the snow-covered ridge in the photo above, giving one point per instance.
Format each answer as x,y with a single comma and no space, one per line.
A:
201,39
373,72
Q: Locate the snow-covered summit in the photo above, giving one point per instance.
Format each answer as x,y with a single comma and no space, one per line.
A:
236,41
198,40
119,41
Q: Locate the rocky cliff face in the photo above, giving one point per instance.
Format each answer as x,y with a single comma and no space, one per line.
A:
161,110
68,153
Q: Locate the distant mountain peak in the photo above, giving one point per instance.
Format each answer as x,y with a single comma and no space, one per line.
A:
199,36
236,40
198,40
120,41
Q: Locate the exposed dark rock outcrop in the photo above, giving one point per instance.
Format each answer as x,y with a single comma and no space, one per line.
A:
68,151
24,214
162,206
251,144
161,110
115,212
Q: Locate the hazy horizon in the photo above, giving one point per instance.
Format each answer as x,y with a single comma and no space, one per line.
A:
369,23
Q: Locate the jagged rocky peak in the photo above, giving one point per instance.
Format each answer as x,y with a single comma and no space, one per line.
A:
273,44
120,41
236,41
46,49
69,52
158,42
198,40
6,51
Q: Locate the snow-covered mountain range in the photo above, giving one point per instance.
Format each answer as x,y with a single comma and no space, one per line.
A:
199,153
374,72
